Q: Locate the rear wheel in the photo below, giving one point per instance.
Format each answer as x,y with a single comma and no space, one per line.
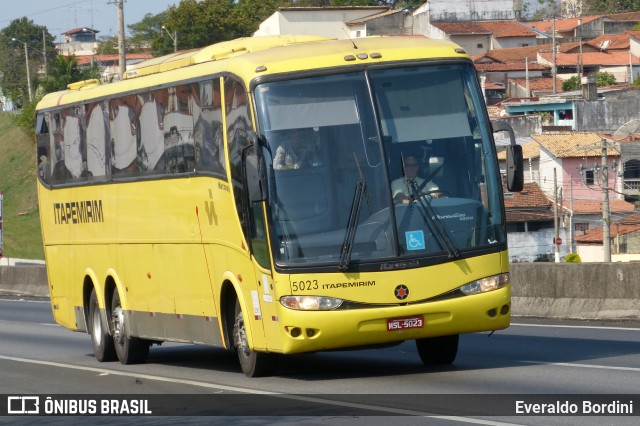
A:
253,364
102,343
130,350
440,350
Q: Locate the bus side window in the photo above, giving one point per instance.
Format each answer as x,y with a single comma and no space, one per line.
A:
209,150
124,130
238,127
97,136
42,140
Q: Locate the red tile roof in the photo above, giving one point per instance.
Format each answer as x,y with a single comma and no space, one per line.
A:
530,196
511,54
86,59
531,204
499,29
595,206
538,83
626,226
573,144
562,25
514,66
625,16
617,58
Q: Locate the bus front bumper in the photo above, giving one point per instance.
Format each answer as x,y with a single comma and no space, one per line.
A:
308,331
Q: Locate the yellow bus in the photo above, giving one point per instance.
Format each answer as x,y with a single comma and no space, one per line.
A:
248,195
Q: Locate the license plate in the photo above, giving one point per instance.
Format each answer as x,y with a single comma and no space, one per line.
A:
404,323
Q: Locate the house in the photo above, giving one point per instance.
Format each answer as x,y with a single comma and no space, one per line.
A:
630,154
109,64
334,22
624,241
534,87
574,186
575,159
78,42
570,29
481,37
619,63
463,10
530,225
499,66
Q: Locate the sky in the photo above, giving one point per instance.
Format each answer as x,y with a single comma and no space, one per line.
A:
60,16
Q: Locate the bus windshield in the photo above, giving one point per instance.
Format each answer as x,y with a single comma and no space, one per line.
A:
380,165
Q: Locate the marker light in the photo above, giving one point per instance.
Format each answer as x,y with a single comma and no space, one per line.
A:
310,303
485,284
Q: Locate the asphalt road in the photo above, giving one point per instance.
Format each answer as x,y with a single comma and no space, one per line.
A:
534,361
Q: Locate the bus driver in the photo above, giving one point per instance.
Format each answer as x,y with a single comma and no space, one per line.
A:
400,189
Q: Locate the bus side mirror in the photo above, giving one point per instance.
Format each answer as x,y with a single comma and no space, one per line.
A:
515,174
515,171
256,172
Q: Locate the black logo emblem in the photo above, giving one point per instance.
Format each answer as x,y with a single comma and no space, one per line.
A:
401,292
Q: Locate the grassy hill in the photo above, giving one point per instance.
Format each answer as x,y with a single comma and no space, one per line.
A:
21,224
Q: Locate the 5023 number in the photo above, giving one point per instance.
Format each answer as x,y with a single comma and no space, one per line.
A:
304,285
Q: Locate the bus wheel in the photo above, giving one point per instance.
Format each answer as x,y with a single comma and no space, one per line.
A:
438,350
253,364
130,350
102,343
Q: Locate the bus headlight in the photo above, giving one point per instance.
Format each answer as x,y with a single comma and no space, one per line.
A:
310,303
485,284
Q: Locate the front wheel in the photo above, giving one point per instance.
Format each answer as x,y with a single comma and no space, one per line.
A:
130,350
102,343
440,350
253,364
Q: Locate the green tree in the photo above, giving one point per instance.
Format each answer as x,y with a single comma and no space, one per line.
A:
248,14
602,79
572,83
202,23
149,34
108,46
600,7
573,258
13,75
64,71
605,79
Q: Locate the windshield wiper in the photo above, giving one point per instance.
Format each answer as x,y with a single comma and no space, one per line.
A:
354,215
431,217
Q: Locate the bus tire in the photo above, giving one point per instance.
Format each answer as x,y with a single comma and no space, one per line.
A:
130,350
253,364
102,343
440,350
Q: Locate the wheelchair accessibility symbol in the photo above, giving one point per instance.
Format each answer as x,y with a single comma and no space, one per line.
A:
415,240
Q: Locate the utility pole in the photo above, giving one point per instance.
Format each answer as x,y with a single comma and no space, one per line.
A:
44,50
556,230
606,238
553,68
121,50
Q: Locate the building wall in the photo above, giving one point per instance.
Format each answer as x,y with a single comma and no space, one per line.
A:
506,42
387,25
477,10
591,253
328,23
534,246
473,44
608,113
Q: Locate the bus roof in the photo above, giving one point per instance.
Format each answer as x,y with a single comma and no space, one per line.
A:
255,56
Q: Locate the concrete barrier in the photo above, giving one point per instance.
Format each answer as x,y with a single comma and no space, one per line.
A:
28,280
607,291
576,290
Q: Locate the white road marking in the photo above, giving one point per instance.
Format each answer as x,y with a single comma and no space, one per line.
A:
591,366
597,327
104,372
